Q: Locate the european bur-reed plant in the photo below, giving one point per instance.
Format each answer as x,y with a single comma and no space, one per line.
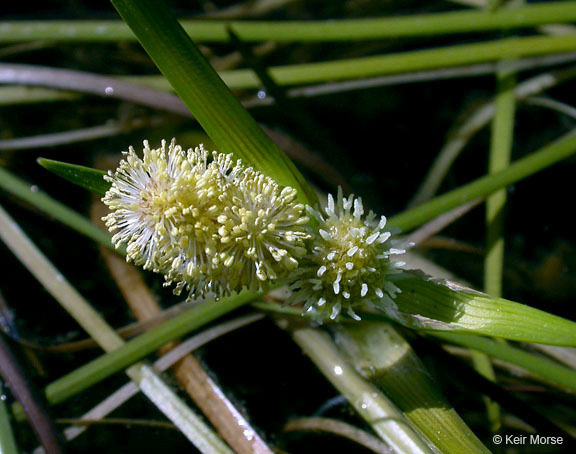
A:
355,248
215,226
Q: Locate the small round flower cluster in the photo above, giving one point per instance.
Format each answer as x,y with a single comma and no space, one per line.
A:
207,223
349,264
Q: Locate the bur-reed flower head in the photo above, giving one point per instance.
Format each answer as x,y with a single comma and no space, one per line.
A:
153,200
203,220
349,264
261,230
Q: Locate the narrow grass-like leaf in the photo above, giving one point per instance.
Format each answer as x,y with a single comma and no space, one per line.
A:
39,199
394,63
432,305
499,158
141,346
353,68
401,62
88,178
502,135
545,157
217,110
17,94
302,31
546,369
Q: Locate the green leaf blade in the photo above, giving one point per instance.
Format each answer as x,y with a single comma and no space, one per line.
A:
201,30
219,113
547,369
85,177
432,305
481,187
41,200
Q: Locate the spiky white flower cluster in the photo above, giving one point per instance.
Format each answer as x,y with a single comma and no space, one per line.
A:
349,265
207,223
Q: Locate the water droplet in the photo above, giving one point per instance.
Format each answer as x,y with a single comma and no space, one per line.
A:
109,91
3,397
338,370
34,188
261,94
249,434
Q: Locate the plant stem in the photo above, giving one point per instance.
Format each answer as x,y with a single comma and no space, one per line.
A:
32,403
548,370
382,415
382,356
